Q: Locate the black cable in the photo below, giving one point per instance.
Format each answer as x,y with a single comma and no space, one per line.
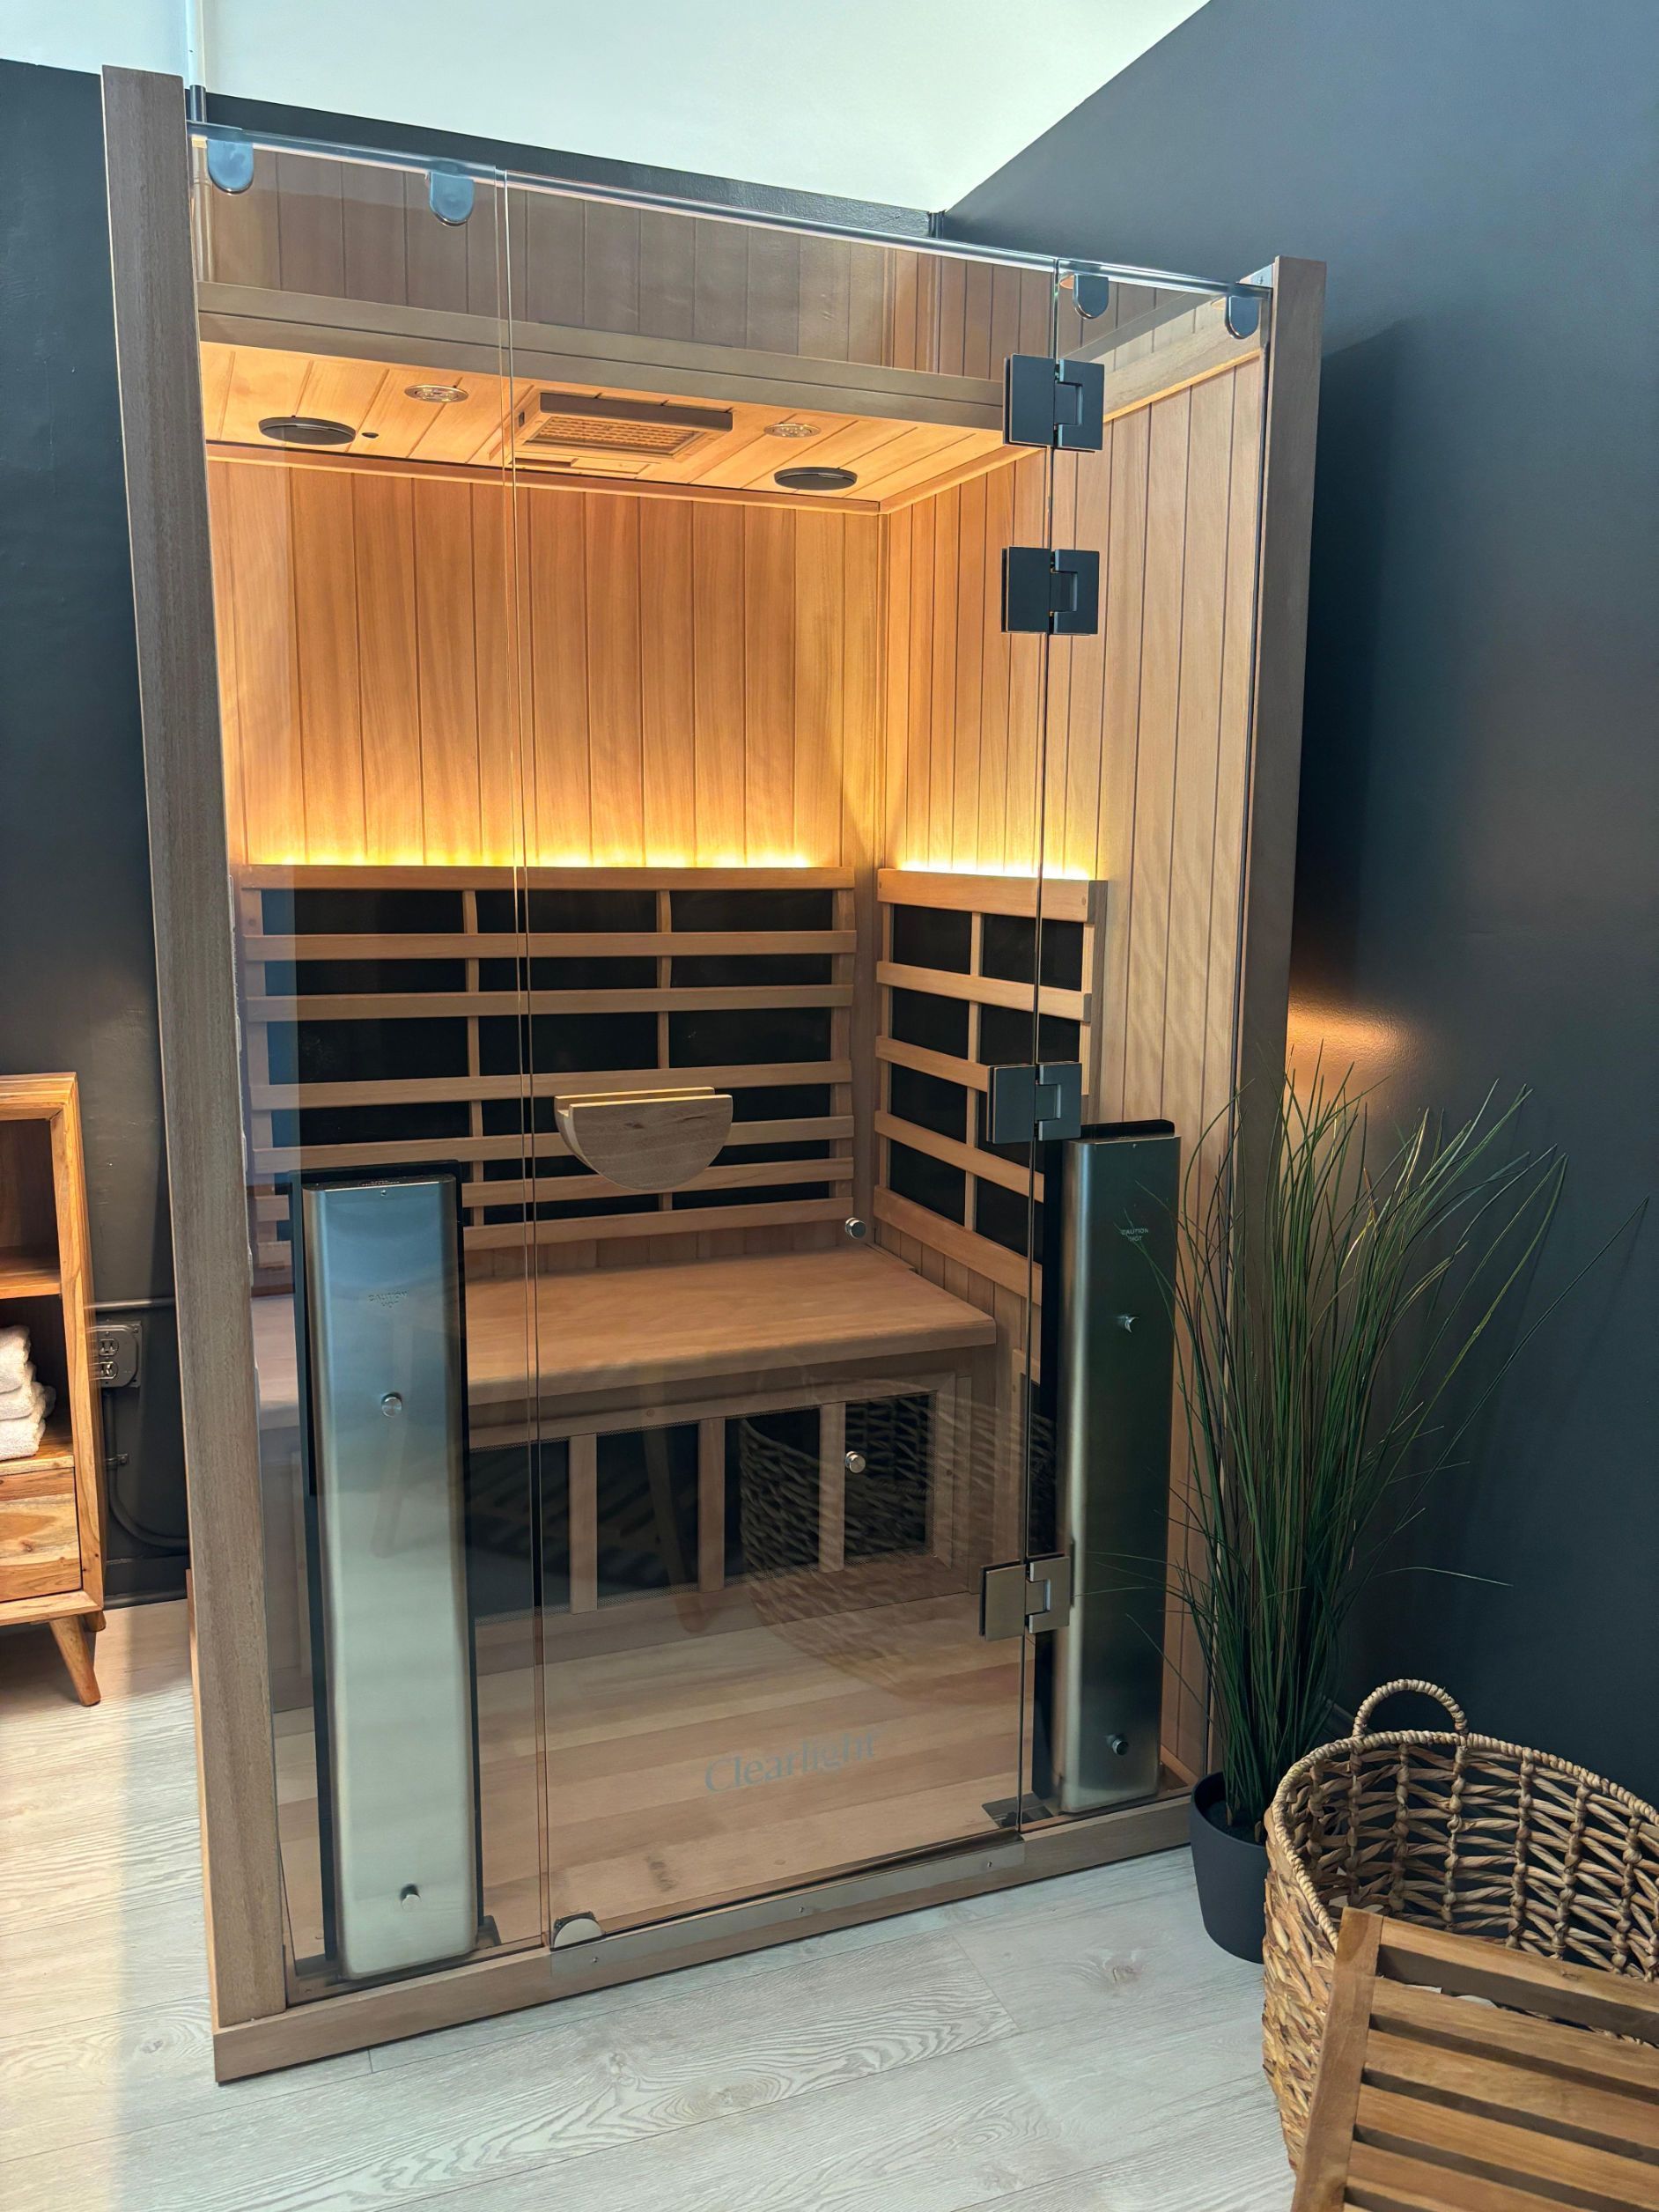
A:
176,1543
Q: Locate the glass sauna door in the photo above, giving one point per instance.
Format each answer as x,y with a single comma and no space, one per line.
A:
354,395
780,913
1142,849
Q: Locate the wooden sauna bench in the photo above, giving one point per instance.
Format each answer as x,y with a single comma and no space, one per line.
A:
628,1333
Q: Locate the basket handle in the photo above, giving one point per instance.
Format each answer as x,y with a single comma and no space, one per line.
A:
1425,1689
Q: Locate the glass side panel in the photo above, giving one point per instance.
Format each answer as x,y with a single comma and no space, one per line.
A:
1142,857
587,268
786,788
364,575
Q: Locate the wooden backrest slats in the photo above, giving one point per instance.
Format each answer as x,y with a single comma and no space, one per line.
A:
430,1014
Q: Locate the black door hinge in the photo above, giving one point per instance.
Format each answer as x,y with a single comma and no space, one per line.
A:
1054,588
1049,403
1036,1105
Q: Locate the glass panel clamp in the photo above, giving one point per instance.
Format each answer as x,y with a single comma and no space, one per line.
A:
1052,589
1025,1596
1039,1105
1053,403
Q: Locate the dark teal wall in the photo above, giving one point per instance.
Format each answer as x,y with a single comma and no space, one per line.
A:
77,985
1477,886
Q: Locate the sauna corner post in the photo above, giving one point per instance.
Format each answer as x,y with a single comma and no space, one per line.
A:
1290,417
147,160
1290,422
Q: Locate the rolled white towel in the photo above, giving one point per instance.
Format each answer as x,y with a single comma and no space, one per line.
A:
15,1370
20,1438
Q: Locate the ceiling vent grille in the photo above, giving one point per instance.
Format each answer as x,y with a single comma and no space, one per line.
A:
568,428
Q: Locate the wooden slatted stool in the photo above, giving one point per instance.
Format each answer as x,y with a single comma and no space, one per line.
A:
1455,2073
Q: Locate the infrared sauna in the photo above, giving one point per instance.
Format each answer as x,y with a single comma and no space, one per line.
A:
745,851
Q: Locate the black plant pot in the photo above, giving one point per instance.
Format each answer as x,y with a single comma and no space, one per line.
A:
1231,1868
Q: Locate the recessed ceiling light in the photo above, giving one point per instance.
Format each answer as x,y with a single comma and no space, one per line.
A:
435,395
792,430
305,430
815,479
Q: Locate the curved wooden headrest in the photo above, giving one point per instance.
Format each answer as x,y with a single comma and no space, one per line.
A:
646,1140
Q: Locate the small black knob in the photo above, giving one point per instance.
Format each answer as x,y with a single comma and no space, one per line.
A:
1119,1744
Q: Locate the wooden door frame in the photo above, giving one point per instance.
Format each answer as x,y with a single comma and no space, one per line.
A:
147,151
147,164
1284,534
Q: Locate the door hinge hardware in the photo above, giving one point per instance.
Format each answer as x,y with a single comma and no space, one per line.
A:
1026,1596
1051,402
1243,314
230,163
1053,588
1038,1105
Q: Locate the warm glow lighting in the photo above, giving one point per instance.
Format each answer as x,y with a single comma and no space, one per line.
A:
1028,875
395,858
1341,1037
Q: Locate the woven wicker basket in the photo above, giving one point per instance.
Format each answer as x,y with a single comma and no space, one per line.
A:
1457,1830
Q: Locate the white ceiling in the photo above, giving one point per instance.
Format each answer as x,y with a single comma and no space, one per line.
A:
908,100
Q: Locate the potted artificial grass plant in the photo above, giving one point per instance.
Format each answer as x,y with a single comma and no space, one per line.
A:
1329,1295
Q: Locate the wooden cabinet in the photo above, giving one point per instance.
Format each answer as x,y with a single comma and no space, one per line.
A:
51,1502
445,704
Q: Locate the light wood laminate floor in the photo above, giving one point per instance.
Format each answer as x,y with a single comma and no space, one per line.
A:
1074,2044
646,1724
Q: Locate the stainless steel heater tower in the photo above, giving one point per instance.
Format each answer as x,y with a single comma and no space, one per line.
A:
1107,1374
377,1276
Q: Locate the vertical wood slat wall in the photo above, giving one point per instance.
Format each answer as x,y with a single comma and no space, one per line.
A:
1143,781
698,683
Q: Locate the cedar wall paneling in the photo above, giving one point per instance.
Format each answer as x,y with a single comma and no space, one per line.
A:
350,230
1143,778
704,682
694,682
1169,503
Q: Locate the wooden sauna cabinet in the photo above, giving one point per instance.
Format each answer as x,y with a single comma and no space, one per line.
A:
538,771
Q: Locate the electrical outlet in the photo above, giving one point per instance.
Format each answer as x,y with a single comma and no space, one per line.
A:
116,1345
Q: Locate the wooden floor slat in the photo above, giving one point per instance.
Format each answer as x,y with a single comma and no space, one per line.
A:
1449,2082
1504,2087
1384,2181
910,1717
1545,2044
1501,2150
